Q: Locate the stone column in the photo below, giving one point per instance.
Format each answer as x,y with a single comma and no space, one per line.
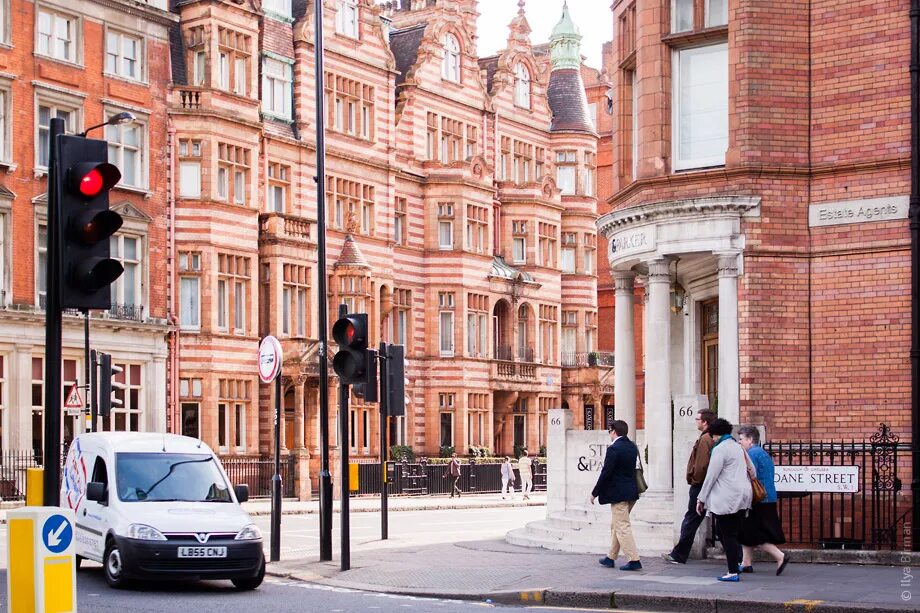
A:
624,349
658,377
729,369
299,410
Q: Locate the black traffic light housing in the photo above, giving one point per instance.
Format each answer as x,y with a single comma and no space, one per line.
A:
396,384
85,178
107,372
368,391
351,361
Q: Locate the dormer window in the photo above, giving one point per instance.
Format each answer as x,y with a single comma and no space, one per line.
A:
450,64
522,86
346,18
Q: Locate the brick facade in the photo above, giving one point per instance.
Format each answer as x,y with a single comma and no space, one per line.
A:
817,113
77,76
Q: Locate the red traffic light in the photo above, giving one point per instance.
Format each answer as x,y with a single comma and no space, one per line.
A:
351,331
90,179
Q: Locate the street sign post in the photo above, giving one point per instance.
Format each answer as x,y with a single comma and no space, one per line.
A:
42,576
270,354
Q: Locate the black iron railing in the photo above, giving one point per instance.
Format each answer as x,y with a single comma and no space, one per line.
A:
257,472
422,478
134,312
871,518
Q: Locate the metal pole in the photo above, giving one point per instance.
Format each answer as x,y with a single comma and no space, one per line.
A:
94,382
325,476
276,478
914,215
86,363
383,352
51,452
343,475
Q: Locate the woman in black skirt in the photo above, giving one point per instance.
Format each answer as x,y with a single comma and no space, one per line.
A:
761,528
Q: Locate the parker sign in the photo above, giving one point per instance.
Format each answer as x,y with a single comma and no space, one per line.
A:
835,479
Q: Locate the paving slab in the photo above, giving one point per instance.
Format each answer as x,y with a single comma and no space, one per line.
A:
494,570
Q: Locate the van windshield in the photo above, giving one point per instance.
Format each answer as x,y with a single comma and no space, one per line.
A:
160,477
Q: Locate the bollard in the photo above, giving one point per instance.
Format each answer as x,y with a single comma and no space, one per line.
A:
353,477
35,494
40,557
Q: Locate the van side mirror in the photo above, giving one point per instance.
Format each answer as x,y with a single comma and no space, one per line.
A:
242,492
96,491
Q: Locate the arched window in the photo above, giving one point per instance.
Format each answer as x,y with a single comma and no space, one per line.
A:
450,65
522,86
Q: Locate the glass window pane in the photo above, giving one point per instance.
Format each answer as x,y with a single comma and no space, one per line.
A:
683,15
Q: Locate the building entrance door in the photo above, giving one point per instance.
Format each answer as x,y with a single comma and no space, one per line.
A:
709,360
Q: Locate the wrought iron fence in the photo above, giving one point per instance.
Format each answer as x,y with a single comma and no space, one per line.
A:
13,465
423,478
133,312
871,518
257,472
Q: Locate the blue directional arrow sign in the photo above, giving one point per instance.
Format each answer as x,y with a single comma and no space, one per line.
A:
57,533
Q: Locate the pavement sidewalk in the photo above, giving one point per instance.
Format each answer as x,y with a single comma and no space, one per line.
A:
400,503
496,571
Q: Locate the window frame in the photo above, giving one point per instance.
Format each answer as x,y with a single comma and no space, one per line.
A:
523,82
6,111
341,21
451,58
6,38
141,58
77,35
56,102
446,350
140,277
679,163
195,323
268,87
143,146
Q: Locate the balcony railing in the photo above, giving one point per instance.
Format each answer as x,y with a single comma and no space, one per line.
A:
43,305
592,358
524,354
286,226
190,98
133,312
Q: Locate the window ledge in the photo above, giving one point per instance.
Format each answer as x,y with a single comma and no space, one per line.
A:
281,118
10,166
57,60
128,80
40,172
192,329
6,45
696,37
277,16
145,192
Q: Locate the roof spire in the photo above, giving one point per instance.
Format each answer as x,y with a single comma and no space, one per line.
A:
565,41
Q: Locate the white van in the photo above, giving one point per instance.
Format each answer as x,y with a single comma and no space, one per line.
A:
159,506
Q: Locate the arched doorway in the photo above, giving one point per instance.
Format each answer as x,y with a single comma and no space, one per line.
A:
501,330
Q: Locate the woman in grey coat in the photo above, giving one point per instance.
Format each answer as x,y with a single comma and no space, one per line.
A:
726,492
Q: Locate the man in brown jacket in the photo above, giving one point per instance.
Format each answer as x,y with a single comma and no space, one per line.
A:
696,474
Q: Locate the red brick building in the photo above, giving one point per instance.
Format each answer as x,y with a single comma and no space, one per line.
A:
757,231
461,215
83,61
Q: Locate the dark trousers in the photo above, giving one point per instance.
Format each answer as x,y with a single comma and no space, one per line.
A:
729,527
688,527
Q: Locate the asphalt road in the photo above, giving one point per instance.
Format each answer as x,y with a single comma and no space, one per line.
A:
93,595
300,533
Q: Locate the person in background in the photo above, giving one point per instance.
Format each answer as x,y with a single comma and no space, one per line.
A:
453,471
696,474
617,487
761,528
726,492
507,477
525,468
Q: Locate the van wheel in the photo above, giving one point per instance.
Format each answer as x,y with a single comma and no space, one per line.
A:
251,583
112,565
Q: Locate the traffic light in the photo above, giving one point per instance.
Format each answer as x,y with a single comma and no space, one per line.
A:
84,179
368,391
351,361
396,388
107,382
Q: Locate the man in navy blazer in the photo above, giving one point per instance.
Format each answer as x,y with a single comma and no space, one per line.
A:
617,487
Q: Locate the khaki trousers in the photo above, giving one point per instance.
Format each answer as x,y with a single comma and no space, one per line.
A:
621,536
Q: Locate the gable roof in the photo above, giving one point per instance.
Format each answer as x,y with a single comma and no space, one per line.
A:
404,45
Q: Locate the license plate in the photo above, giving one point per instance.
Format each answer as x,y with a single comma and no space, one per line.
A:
202,552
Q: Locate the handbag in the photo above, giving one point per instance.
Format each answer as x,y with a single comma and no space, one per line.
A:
641,485
757,489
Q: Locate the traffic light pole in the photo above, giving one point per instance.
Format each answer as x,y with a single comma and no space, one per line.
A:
51,452
343,479
383,352
275,553
86,372
325,476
